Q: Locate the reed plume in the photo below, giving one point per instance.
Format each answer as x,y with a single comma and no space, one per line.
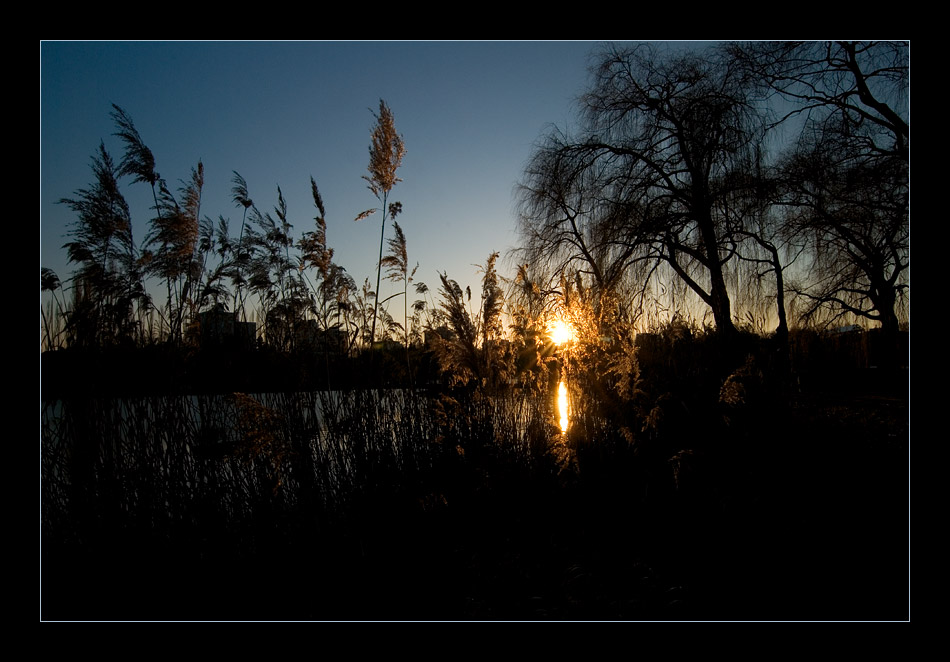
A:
386,152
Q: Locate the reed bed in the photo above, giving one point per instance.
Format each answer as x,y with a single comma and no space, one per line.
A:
224,480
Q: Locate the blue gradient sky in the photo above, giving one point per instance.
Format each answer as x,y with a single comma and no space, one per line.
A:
281,112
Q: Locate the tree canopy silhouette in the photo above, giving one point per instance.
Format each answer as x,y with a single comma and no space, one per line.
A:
845,179
716,172
642,182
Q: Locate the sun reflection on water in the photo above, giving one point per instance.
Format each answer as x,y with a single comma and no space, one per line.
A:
563,407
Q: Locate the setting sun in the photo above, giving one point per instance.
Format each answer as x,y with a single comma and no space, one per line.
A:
561,332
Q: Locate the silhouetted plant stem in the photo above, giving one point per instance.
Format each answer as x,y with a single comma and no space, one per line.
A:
385,156
379,265
241,198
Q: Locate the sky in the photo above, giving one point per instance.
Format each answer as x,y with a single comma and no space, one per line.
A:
281,112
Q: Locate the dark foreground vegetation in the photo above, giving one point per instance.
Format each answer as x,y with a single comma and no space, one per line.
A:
696,497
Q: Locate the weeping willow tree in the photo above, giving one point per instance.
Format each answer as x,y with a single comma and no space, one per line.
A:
844,187
636,193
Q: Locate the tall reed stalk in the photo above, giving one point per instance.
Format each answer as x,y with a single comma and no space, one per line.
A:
386,152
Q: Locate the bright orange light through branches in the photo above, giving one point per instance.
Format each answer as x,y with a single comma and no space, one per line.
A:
561,332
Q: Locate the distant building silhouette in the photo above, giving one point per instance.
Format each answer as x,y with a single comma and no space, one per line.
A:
219,326
848,329
309,336
388,345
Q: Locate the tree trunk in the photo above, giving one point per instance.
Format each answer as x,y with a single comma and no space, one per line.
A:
718,294
889,351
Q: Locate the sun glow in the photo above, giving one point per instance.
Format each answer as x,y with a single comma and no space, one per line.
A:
561,332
